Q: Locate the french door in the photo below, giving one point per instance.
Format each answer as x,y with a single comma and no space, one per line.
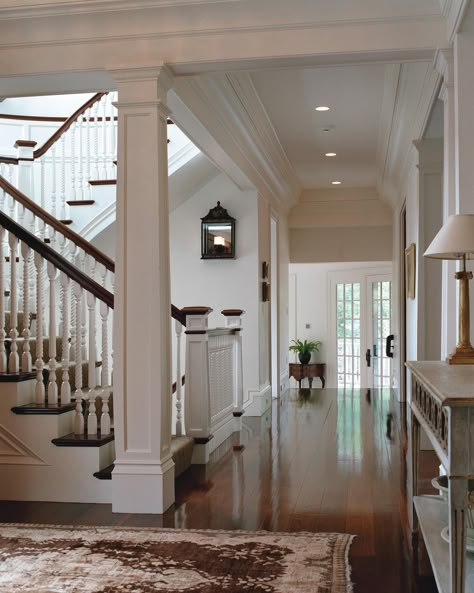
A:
360,325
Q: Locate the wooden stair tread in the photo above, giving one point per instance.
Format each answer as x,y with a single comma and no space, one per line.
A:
80,202
103,182
66,221
16,377
83,440
43,409
105,473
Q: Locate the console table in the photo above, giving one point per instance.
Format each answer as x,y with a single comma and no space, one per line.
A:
308,371
442,402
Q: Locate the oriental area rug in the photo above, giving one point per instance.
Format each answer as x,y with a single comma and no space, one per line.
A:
49,559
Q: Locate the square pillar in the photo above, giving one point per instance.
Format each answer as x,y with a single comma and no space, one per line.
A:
444,63
143,478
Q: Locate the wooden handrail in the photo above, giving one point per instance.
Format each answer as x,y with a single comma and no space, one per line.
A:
178,315
66,125
57,260
79,241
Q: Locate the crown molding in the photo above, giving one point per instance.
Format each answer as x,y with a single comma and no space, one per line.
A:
454,13
41,8
230,109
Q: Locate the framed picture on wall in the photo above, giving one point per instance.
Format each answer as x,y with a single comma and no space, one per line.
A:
410,271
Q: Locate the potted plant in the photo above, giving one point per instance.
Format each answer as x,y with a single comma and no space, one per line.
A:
305,348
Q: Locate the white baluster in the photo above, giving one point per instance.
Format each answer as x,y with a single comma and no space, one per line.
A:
111,142
105,417
78,394
62,196
87,187
179,389
73,161
92,419
26,362
52,384
105,426
53,181
103,171
80,174
14,359
3,335
65,393
39,390
95,170
42,182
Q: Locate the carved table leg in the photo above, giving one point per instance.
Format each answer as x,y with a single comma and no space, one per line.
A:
323,381
415,470
310,381
457,533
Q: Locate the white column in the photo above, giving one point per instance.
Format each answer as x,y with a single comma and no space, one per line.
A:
430,220
464,125
445,66
143,478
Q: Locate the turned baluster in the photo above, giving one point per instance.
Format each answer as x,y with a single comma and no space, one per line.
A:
14,359
26,363
95,168
92,419
78,394
73,161
105,381
62,196
65,392
103,171
87,187
3,335
179,389
39,389
52,384
53,181
80,172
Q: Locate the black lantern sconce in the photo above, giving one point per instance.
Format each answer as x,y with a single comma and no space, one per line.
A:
218,234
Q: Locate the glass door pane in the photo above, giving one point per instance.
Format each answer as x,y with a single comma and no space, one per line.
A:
381,291
348,334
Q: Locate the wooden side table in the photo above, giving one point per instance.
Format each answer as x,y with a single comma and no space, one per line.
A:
308,371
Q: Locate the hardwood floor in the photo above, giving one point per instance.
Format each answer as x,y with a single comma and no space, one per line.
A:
320,460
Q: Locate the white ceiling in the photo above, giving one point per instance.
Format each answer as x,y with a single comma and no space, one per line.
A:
354,95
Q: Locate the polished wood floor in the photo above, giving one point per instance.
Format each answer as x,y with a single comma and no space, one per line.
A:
320,460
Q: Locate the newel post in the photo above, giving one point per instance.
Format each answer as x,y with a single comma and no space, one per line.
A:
233,320
197,402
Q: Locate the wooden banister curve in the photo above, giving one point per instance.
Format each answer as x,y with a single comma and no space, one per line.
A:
79,241
57,260
66,125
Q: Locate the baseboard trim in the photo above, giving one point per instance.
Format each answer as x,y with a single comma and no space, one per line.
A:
259,400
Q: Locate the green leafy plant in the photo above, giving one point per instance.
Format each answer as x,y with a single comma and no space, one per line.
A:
306,346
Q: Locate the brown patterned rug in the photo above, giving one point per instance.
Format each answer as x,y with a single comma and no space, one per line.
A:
49,559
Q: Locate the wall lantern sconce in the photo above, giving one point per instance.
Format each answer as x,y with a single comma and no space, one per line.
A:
218,234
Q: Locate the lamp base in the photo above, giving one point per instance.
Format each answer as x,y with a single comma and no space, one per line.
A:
461,356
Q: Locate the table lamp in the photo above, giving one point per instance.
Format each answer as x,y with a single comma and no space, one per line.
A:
455,240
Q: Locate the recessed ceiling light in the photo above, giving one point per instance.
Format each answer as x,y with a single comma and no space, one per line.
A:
322,108
330,154
336,182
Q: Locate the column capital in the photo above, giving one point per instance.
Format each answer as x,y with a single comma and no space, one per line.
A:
137,84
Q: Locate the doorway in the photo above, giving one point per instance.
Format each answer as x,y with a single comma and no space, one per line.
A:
360,322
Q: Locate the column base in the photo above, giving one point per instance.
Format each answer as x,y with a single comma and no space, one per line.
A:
461,356
143,487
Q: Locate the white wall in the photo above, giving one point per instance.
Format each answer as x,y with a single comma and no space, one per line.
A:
220,284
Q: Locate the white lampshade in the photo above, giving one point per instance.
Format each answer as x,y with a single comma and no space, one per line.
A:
454,239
